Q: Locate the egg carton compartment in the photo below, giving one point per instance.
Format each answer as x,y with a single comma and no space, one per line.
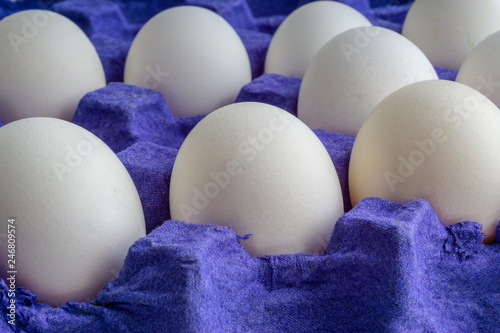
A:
388,266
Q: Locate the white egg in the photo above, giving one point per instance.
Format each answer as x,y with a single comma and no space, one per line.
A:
260,170
447,30
191,55
305,31
353,72
75,207
47,64
481,70
436,140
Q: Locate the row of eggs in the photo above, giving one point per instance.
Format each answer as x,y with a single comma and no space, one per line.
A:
196,59
264,166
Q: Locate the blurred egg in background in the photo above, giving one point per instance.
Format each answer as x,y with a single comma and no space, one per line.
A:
355,71
191,55
47,64
447,30
305,31
481,69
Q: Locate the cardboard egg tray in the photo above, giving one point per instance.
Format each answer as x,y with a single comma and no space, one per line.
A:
388,266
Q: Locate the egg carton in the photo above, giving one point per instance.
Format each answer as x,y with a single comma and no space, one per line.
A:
388,266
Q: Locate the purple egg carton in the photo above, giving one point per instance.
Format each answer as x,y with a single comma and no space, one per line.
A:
388,267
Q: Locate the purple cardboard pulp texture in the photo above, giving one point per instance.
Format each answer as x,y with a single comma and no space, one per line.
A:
388,267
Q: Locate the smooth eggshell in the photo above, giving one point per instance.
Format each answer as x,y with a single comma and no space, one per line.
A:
47,64
481,71
260,170
353,72
191,55
76,208
436,140
305,31
447,30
